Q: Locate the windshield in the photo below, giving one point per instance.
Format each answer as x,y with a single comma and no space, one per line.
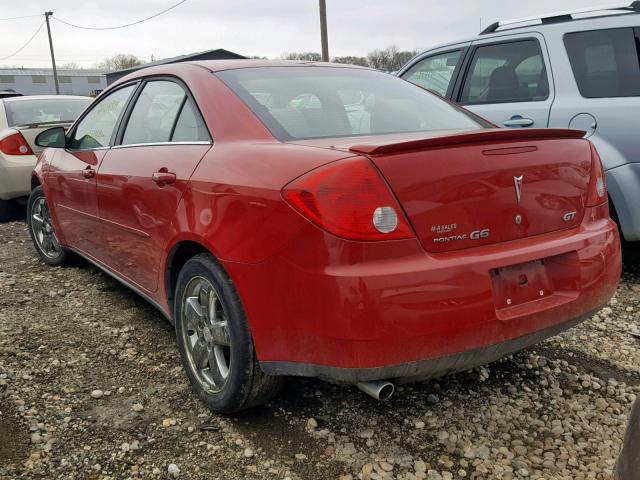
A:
39,111
314,102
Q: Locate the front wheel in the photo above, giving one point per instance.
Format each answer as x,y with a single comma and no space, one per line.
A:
42,232
215,342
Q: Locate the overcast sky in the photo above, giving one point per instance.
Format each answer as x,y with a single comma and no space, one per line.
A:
258,27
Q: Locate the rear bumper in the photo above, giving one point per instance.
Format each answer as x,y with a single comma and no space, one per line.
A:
353,311
15,175
421,369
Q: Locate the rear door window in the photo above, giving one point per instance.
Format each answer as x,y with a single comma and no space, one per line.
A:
154,114
505,73
435,72
605,63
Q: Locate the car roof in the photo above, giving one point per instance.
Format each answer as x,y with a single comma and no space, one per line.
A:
219,65
560,21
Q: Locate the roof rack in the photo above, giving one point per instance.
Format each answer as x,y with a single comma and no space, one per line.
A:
566,16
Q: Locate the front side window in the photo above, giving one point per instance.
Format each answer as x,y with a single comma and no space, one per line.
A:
315,102
605,63
154,114
96,128
434,73
505,73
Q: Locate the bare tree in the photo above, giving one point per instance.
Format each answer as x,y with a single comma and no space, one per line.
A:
121,61
70,66
305,56
351,60
389,59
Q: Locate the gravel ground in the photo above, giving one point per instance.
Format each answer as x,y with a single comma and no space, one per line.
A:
91,387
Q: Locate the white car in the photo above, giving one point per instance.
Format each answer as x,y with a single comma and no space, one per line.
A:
21,120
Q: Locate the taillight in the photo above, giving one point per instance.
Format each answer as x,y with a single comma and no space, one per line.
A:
597,185
15,144
349,198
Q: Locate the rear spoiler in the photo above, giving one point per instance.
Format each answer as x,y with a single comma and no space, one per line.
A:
476,136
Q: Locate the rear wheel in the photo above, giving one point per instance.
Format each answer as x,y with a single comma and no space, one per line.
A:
42,231
215,341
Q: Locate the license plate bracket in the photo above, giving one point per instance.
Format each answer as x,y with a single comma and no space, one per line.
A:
521,283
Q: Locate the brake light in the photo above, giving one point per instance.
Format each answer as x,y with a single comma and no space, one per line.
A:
597,185
15,144
350,199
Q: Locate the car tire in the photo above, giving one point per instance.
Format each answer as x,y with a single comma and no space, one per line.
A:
42,231
8,210
215,341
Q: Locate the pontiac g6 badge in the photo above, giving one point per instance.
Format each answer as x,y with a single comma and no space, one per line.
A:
475,235
517,183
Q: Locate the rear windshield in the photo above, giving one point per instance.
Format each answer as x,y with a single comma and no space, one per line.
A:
41,111
315,102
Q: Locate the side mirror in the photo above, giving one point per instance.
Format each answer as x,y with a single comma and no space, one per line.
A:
52,137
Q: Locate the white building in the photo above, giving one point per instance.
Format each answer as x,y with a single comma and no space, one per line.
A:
39,81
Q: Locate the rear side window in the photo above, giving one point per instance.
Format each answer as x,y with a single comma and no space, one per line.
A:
189,127
605,63
434,73
505,73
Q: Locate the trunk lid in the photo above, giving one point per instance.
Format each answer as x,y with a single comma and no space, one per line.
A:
466,189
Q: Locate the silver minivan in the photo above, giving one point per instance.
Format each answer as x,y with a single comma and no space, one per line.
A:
577,69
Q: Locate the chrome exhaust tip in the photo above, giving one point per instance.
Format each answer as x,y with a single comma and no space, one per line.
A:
380,390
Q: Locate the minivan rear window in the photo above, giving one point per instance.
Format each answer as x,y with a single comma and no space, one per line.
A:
605,63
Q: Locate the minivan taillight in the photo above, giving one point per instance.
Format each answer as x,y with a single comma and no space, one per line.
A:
597,185
350,199
15,144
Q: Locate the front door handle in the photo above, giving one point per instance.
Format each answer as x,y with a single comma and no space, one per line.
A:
518,121
163,177
88,172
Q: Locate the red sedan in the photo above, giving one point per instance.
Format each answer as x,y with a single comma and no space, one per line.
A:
325,220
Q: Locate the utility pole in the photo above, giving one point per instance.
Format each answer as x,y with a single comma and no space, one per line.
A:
323,31
53,58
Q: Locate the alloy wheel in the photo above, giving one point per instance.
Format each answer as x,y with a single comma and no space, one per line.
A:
43,231
205,334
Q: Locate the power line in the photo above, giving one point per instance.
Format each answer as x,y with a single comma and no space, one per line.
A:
19,18
25,45
120,26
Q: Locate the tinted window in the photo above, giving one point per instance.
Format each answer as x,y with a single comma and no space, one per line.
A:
605,62
434,73
96,128
29,112
154,114
507,72
313,102
189,127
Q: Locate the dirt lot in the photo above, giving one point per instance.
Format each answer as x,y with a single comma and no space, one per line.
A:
91,387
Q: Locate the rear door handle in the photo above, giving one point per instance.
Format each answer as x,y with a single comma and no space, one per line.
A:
518,121
88,172
163,177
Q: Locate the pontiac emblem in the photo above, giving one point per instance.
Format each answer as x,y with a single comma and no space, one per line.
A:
517,183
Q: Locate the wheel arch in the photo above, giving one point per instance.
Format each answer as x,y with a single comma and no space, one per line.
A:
179,254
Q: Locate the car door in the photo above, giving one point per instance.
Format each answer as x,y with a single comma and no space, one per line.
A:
436,70
142,178
72,178
508,81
